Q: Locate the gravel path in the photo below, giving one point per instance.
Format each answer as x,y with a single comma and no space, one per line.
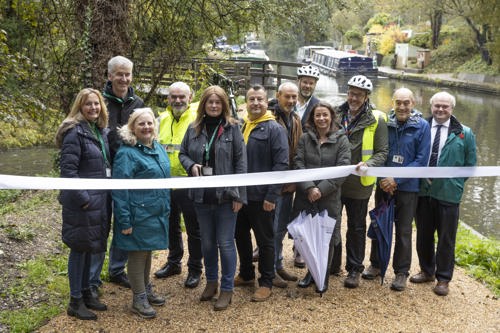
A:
470,307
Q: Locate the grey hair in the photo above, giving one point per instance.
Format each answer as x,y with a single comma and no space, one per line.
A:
405,90
446,95
126,132
288,84
181,85
119,61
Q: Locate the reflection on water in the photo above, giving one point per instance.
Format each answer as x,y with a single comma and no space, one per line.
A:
481,202
27,162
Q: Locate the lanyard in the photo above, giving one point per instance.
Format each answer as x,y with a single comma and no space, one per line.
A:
207,147
99,137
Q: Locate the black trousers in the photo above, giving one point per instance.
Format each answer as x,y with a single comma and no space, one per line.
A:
180,203
405,206
253,217
441,216
356,210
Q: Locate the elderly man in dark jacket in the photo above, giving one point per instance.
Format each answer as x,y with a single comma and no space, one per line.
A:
267,150
121,102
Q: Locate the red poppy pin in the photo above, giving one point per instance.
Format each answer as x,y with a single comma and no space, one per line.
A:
462,136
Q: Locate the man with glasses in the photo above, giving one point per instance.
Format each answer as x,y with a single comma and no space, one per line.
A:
366,130
453,144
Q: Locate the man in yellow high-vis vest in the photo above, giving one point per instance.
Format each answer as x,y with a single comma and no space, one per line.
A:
367,132
173,125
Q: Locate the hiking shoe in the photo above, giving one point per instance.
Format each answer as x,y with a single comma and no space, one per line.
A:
298,261
153,298
399,282
261,294
240,282
278,282
421,277
141,306
370,273
352,280
285,275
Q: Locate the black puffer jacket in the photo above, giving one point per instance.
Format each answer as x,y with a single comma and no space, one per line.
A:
119,111
84,230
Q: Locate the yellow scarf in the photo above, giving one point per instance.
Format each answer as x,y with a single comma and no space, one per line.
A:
250,124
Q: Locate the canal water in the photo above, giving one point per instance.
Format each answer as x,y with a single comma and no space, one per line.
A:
480,206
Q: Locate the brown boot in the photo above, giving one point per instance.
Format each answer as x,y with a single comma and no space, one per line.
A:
261,294
223,301
210,291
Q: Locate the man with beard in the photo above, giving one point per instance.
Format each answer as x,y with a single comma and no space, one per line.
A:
307,77
366,130
267,150
173,125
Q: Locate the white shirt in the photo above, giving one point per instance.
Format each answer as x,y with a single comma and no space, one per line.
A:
443,136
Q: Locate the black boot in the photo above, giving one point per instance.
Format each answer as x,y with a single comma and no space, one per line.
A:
77,308
91,300
306,281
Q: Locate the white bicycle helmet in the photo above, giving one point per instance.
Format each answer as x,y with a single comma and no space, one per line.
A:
308,70
362,82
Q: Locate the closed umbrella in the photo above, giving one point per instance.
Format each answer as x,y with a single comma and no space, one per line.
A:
311,235
380,230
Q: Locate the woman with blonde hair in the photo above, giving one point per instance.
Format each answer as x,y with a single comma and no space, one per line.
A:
141,216
213,145
82,138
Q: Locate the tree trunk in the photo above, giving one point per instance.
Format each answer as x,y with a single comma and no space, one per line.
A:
436,22
481,40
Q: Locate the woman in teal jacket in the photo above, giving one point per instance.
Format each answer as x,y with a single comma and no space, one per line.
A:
141,216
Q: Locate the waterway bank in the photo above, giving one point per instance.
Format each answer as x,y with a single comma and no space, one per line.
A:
471,82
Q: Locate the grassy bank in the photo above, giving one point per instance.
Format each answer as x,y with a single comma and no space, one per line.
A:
36,286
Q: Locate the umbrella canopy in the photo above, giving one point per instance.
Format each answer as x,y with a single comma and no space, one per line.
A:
311,234
380,230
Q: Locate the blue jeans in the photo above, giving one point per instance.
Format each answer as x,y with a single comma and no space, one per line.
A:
282,217
217,225
117,261
78,272
96,263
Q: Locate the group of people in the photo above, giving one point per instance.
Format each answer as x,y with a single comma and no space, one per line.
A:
114,135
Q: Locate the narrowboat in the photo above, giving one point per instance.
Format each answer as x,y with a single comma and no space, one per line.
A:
305,53
339,63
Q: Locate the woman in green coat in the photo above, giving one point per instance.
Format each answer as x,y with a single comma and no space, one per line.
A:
141,216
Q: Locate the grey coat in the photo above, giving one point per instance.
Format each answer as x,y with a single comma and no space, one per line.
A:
311,154
230,158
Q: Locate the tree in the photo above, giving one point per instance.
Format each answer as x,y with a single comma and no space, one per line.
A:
473,11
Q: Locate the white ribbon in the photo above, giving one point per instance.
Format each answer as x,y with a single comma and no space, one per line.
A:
261,178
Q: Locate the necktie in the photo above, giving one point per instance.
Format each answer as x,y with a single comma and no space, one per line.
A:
435,147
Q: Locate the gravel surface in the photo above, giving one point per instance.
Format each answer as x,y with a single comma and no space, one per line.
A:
470,307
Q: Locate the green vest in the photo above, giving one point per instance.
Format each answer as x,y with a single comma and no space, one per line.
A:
367,145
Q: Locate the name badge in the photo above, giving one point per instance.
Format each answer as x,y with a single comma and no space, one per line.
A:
207,171
398,159
108,172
